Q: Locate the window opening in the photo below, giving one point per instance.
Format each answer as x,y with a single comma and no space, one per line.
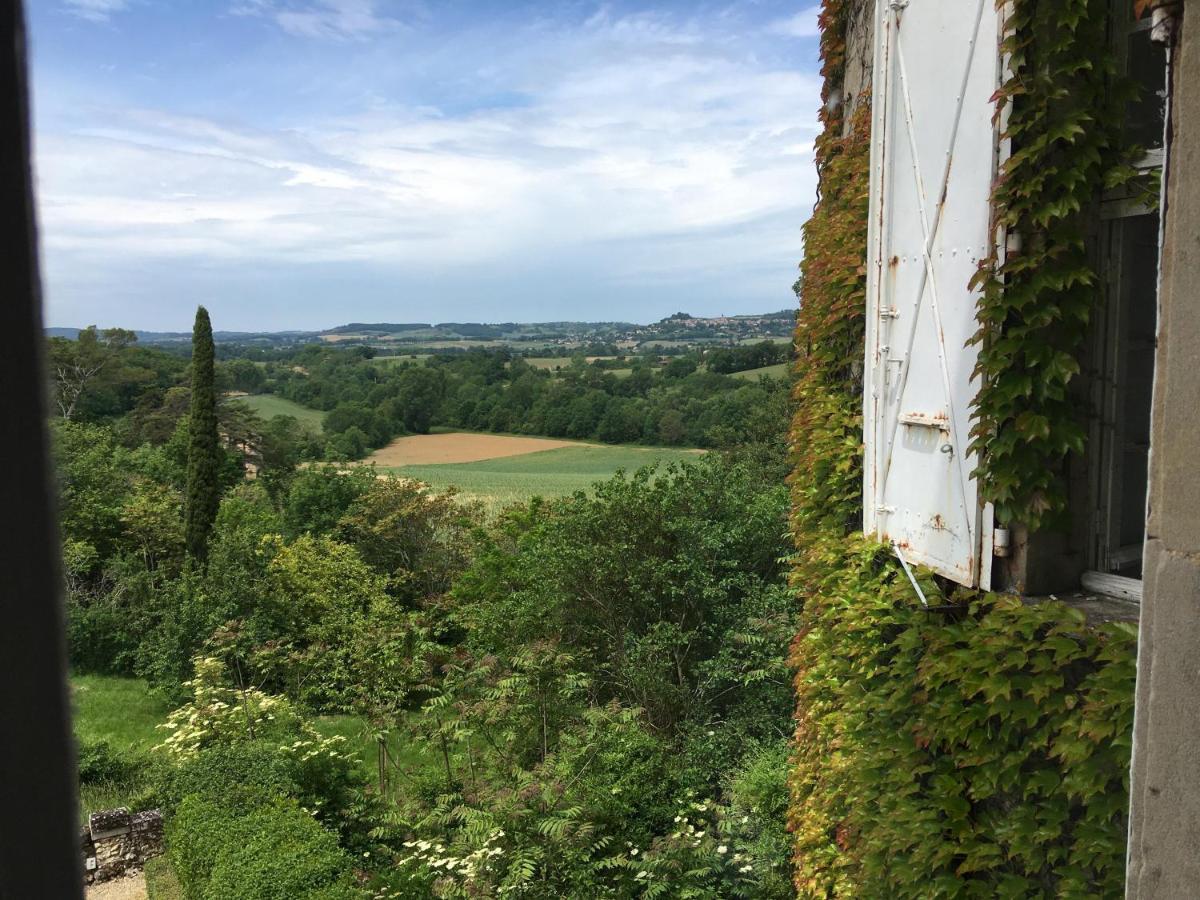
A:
1125,324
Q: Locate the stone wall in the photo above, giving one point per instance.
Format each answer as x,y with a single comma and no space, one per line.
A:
860,57
116,842
1164,839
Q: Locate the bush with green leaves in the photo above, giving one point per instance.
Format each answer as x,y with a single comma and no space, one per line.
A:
98,761
258,770
238,742
222,714
320,495
755,819
668,586
622,654
268,851
417,538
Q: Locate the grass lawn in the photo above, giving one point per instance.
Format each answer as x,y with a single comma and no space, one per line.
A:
549,473
779,370
270,405
123,712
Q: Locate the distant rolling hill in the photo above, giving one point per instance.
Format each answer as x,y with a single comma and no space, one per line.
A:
170,337
680,327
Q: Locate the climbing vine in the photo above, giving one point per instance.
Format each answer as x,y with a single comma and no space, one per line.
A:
983,753
1064,108
826,444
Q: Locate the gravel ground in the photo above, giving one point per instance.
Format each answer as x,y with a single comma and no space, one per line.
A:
132,887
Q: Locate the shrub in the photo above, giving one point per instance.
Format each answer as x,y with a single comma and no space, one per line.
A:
248,772
242,773
756,818
101,637
274,851
252,743
99,762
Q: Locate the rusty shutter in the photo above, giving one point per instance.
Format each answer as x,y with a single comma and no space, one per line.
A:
933,156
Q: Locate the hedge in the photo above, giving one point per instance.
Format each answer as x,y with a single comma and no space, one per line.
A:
275,851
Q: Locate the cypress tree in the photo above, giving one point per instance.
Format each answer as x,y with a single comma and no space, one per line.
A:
204,460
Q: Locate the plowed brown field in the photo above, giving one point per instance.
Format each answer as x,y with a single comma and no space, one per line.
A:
460,447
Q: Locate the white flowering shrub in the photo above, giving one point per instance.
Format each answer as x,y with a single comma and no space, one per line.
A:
230,741
221,713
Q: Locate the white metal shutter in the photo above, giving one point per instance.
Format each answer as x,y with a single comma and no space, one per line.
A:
933,152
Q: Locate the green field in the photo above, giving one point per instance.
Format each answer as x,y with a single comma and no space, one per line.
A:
548,362
779,370
548,473
552,363
270,405
774,339
387,362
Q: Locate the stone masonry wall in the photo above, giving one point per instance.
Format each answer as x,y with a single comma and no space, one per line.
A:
116,841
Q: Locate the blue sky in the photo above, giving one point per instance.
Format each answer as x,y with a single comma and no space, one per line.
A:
304,163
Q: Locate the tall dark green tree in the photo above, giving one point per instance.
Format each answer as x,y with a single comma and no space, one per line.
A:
204,451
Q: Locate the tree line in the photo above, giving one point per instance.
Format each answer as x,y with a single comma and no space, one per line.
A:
675,404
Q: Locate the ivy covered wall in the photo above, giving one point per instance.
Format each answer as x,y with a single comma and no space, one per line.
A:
977,752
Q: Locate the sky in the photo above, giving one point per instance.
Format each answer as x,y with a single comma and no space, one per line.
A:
299,164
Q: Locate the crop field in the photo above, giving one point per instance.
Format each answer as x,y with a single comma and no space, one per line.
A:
779,370
270,405
513,478
558,362
459,447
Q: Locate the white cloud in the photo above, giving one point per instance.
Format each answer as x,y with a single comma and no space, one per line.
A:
328,19
638,153
96,10
802,25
